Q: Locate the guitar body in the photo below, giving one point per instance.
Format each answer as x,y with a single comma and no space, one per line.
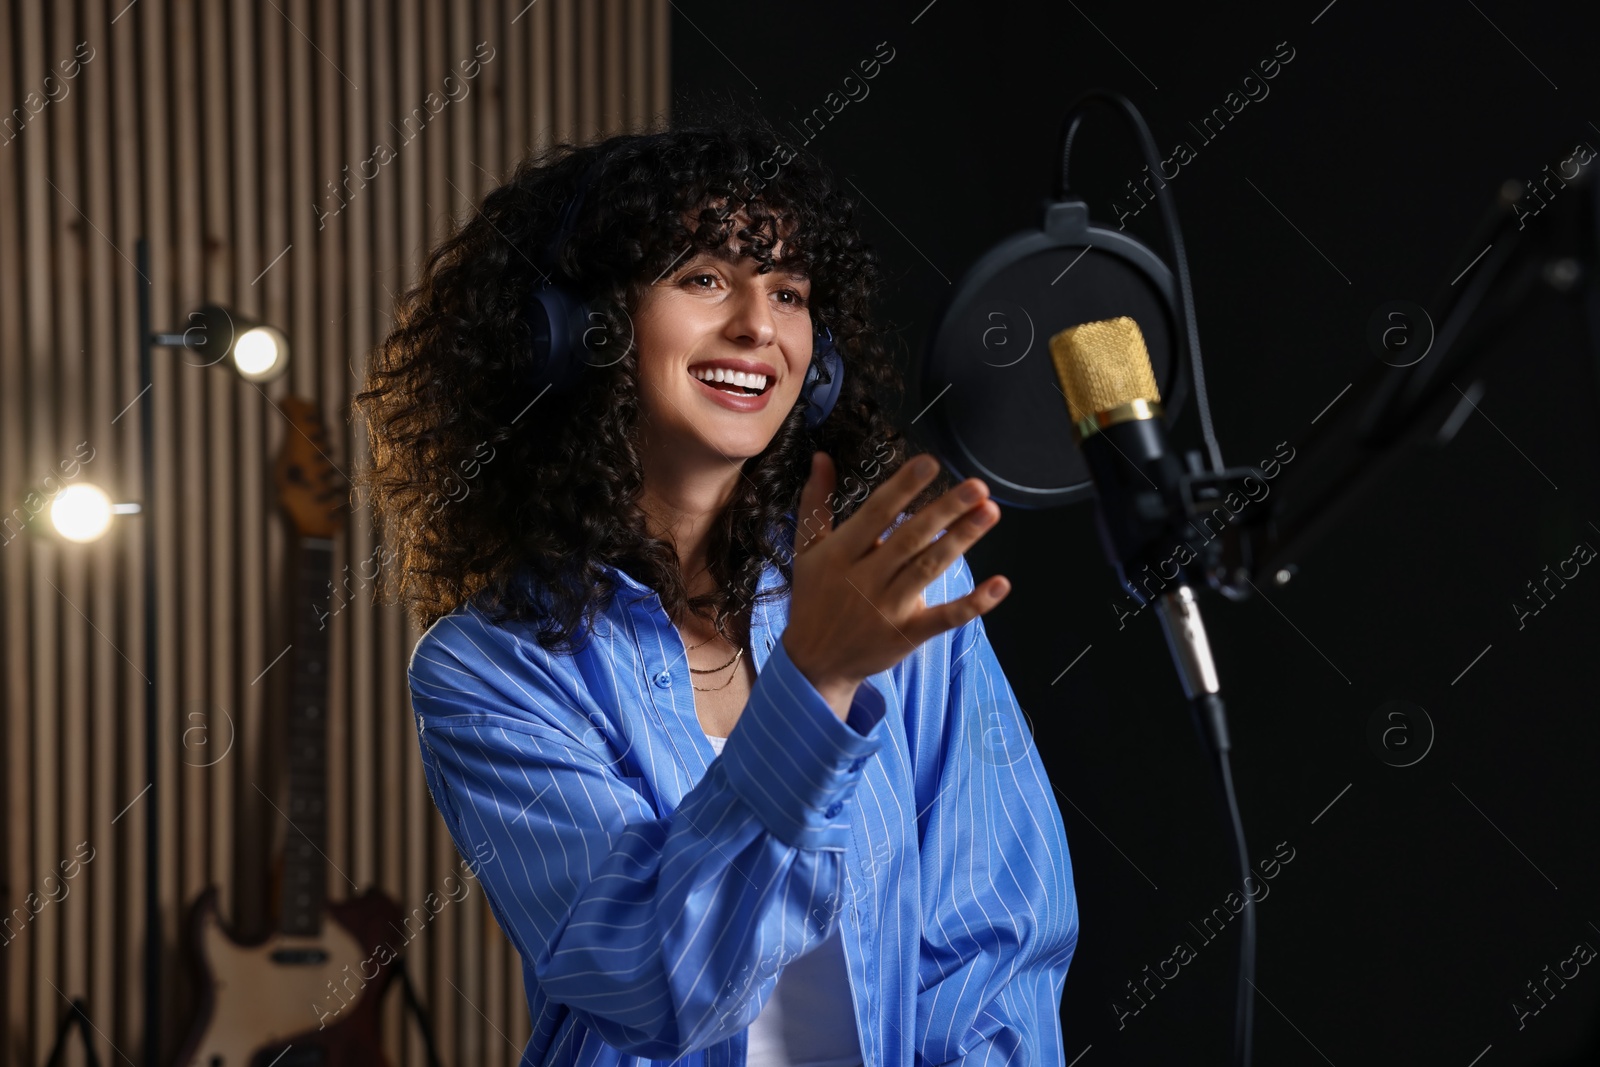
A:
291,1000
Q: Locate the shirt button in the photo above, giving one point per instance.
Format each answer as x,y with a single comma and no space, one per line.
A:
833,809
664,679
421,724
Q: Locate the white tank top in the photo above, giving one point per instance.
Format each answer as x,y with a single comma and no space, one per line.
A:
809,1020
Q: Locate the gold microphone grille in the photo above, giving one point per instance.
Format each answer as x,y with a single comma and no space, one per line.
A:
1102,365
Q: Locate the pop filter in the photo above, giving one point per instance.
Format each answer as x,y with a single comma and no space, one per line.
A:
994,404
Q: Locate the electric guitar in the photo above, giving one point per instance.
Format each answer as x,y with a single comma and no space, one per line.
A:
307,994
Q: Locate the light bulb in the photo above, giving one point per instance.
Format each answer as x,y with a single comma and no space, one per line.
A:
260,353
81,513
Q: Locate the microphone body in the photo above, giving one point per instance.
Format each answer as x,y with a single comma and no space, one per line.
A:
1142,506
1136,480
1139,513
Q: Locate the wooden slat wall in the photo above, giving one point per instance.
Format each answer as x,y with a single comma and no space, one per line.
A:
212,127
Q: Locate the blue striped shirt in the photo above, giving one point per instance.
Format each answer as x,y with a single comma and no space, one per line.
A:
653,889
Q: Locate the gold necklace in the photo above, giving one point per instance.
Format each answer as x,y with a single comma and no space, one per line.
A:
714,670
724,685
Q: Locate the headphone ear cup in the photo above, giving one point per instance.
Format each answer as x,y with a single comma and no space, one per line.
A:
557,318
821,388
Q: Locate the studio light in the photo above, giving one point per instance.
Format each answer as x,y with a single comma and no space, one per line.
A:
83,513
259,352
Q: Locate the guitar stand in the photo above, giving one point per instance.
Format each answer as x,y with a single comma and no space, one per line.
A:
77,1015
412,1002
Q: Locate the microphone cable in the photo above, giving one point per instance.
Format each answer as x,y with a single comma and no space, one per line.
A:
1206,708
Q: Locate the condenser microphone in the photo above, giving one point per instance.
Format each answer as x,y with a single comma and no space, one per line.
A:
1117,423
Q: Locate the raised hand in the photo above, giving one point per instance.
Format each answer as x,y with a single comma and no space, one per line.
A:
857,606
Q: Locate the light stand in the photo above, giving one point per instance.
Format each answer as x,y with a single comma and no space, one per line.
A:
212,319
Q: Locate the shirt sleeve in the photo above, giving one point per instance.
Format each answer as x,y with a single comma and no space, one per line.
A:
648,927
1000,911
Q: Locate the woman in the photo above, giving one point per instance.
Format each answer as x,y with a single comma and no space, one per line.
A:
740,803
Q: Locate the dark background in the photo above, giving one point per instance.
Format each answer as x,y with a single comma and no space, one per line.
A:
1422,898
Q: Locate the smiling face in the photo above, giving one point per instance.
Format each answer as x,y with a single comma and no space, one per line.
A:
714,317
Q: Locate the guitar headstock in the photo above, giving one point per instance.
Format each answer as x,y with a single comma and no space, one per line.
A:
312,491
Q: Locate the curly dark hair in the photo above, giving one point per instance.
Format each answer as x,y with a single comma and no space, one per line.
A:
476,500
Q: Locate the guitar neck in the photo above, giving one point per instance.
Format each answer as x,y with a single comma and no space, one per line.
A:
305,868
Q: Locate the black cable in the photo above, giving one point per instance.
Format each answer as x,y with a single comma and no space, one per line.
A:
1211,723
1207,709
1169,219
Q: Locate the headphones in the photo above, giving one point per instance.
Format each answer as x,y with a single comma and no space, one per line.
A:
559,319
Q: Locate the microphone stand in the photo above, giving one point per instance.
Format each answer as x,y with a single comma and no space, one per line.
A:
1393,407
1366,437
